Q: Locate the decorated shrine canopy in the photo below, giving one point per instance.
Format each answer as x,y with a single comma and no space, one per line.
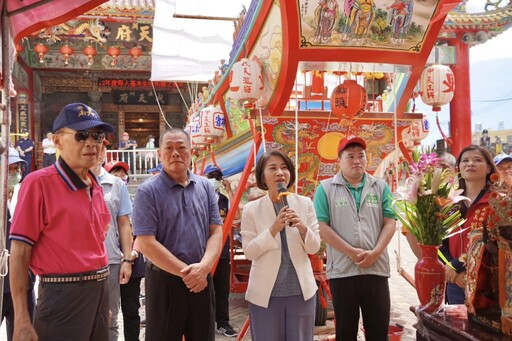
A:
27,16
191,37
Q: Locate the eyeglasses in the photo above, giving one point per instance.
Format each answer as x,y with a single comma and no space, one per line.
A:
82,135
505,168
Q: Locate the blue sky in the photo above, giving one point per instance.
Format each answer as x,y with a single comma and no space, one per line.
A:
491,86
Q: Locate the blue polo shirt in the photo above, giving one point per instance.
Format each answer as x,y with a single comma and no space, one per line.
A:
179,217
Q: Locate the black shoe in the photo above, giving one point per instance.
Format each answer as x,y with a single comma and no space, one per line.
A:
227,330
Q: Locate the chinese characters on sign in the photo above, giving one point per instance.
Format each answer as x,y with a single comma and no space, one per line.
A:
135,32
135,83
23,113
141,97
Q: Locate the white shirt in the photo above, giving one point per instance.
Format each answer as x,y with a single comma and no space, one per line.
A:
48,146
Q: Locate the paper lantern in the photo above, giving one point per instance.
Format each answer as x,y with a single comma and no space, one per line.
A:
437,86
212,125
114,52
67,51
41,50
90,52
348,100
198,140
246,82
135,52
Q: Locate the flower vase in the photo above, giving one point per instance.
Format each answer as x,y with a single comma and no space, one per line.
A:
429,278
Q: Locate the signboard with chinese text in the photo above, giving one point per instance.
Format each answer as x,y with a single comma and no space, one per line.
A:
141,97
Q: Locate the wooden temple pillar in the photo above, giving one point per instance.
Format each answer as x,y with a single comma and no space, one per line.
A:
460,106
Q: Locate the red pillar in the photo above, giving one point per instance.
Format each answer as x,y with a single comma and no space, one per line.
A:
460,106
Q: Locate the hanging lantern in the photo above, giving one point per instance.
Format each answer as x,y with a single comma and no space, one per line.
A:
19,48
114,52
212,125
41,50
198,140
437,86
246,82
90,52
317,84
348,99
135,52
67,51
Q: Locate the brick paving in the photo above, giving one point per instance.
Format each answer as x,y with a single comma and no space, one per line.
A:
403,295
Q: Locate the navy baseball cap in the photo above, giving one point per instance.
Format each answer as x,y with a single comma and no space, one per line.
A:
79,116
502,157
212,169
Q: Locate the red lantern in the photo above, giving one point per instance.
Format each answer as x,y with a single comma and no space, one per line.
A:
348,99
135,52
67,51
19,48
90,52
437,86
246,82
41,50
317,84
114,51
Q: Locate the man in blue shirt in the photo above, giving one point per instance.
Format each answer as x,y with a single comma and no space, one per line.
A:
25,146
179,230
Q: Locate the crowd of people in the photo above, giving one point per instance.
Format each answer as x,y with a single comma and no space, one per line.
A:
74,225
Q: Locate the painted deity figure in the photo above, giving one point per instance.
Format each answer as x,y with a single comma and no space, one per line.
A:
326,16
362,14
399,18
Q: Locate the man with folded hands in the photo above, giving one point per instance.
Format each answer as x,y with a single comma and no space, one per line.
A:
58,230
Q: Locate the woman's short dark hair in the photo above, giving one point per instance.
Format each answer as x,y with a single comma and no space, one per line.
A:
488,159
262,162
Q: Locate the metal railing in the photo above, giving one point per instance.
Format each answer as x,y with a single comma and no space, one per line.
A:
139,160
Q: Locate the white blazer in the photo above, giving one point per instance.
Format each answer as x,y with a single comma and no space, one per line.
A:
265,251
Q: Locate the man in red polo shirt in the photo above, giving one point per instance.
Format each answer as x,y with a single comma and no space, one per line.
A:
58,230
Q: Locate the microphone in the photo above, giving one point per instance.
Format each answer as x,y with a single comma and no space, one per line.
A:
283,192
281,188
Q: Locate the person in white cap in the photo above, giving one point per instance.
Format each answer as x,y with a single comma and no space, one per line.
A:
58,231
357,222
503,163
16,166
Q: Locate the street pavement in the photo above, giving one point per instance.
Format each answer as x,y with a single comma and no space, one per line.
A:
403,295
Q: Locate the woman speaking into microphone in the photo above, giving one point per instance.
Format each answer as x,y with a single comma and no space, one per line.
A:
279,230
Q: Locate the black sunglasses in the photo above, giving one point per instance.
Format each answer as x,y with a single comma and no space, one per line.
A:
82,135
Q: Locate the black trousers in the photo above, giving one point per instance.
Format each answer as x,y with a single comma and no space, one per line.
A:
72,311
130,304
221,285
172,311
48,159
369,293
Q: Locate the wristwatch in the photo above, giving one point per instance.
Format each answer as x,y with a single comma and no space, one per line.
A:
131,261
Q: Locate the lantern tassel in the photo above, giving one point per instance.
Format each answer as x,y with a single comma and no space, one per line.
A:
447,139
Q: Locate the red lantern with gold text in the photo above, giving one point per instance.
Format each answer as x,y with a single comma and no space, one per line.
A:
90,52
41,50
348,100
246,82
135,52
67,51
437,86
114,52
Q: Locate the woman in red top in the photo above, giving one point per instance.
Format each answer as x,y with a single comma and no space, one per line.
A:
475,166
